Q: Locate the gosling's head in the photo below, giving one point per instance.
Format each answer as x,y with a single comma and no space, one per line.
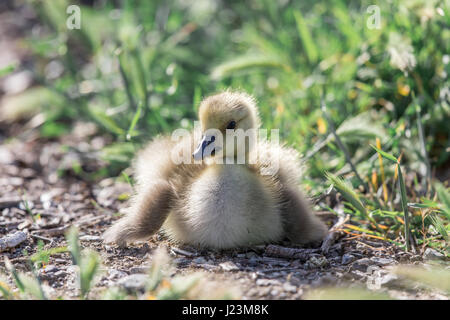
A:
229,121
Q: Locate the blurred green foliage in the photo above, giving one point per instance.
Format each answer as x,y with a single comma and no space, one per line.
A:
166,55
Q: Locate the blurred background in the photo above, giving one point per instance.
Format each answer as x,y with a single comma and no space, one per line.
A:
135,69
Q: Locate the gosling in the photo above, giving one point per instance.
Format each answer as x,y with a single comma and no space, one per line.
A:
217,201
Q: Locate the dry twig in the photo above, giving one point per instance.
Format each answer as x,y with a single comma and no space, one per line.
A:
333,234
289,253
12,240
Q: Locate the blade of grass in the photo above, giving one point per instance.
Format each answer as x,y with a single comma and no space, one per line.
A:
7,70
305,36
350,195
135,120
126,82
383,178
385,155
404,207
403,195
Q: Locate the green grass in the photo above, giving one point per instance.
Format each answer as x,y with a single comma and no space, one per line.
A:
141,69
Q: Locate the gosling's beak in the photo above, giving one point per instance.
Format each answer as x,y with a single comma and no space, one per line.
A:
205,148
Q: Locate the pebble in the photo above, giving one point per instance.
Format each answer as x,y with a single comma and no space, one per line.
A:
251,255
289,287
362,264
229,266
134,283
199,260
207,266
382,261
90,238
140,269
50,268
388,279
179,251
266,282
431,254
115,274
347,258
60,273
316,262
181,261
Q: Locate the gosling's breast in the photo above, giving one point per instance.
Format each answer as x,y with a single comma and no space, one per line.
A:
227,206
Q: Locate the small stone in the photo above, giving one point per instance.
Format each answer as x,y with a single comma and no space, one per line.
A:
229,266
328,279
382,261
264,292
181,261
274,292
60,273
134,282
24,225
50,268
116,274
90,238
388,279
358,275
289,287
431,254
316,262
199,260
140,269
266,282
362,264
179,251
207,266
347,258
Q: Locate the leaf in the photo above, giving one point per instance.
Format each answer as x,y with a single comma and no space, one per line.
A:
420,205
5,290
246,62
89,265
437,223
362,126
135,120
404,201
305,36
347,192
29,103
7,70
385,155
107,122
180,286
444,197
73,245
15,275
32,287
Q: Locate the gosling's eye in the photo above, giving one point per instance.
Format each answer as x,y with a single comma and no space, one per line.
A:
231,125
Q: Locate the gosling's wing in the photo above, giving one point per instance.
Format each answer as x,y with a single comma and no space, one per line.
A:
153,161
280,162
285,171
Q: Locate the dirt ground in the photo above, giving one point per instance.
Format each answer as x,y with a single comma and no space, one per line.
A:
42,173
